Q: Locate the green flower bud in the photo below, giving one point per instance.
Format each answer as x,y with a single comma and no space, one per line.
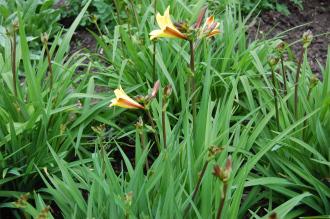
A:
272,61
44,38
307,38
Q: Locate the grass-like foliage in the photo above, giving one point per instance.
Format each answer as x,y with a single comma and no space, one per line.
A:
224,137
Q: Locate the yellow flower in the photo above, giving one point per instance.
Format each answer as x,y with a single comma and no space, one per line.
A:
211,27
124,101
167,28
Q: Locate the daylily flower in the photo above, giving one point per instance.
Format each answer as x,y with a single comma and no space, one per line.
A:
210,27
167,28
124,101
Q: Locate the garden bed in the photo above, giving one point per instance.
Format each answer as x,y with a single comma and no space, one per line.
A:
315,16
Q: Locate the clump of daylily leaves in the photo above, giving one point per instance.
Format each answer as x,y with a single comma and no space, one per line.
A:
176,30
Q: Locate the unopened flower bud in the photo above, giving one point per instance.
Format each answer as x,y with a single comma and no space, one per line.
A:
273,216
307,38
15,25
128,197
280,48
44,38
139,123
182,26
140,98
272,61
62,128
200,17
99,129
223,174
155,89
213,152
22,201
313,81
167,90
44,213
93,18
228,167
217,171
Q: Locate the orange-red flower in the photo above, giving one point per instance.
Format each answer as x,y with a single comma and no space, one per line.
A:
124,101
210,27
167,28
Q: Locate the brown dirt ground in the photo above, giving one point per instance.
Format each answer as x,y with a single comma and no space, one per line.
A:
316,16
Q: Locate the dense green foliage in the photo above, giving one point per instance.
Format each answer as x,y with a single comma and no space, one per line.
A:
101,9
248,5
63,148
38,16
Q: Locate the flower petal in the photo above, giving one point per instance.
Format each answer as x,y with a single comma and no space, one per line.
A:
155,34
124,103
167,28
209,21
123,100
174,33
213,33
164,20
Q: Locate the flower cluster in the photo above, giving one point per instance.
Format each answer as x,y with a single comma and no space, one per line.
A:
181,30
223,174
168,29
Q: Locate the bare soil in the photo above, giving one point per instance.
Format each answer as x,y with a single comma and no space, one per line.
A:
316,17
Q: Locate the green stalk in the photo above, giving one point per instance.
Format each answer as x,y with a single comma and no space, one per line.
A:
129,23
49,67
275,98
308,97
153,127
196,189
154,61
135,13
13,61
98,28
143,146
284,76
164,121
296,85
193,82
117,10
154,46
222,201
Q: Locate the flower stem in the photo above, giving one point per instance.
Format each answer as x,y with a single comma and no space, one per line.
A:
193,82
154,46
135,13
222,201
284,76
118,11
13,61
143,147
153,127
305,122
154,62
196,189
164,121
275,99
98,29
50,69
296,86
